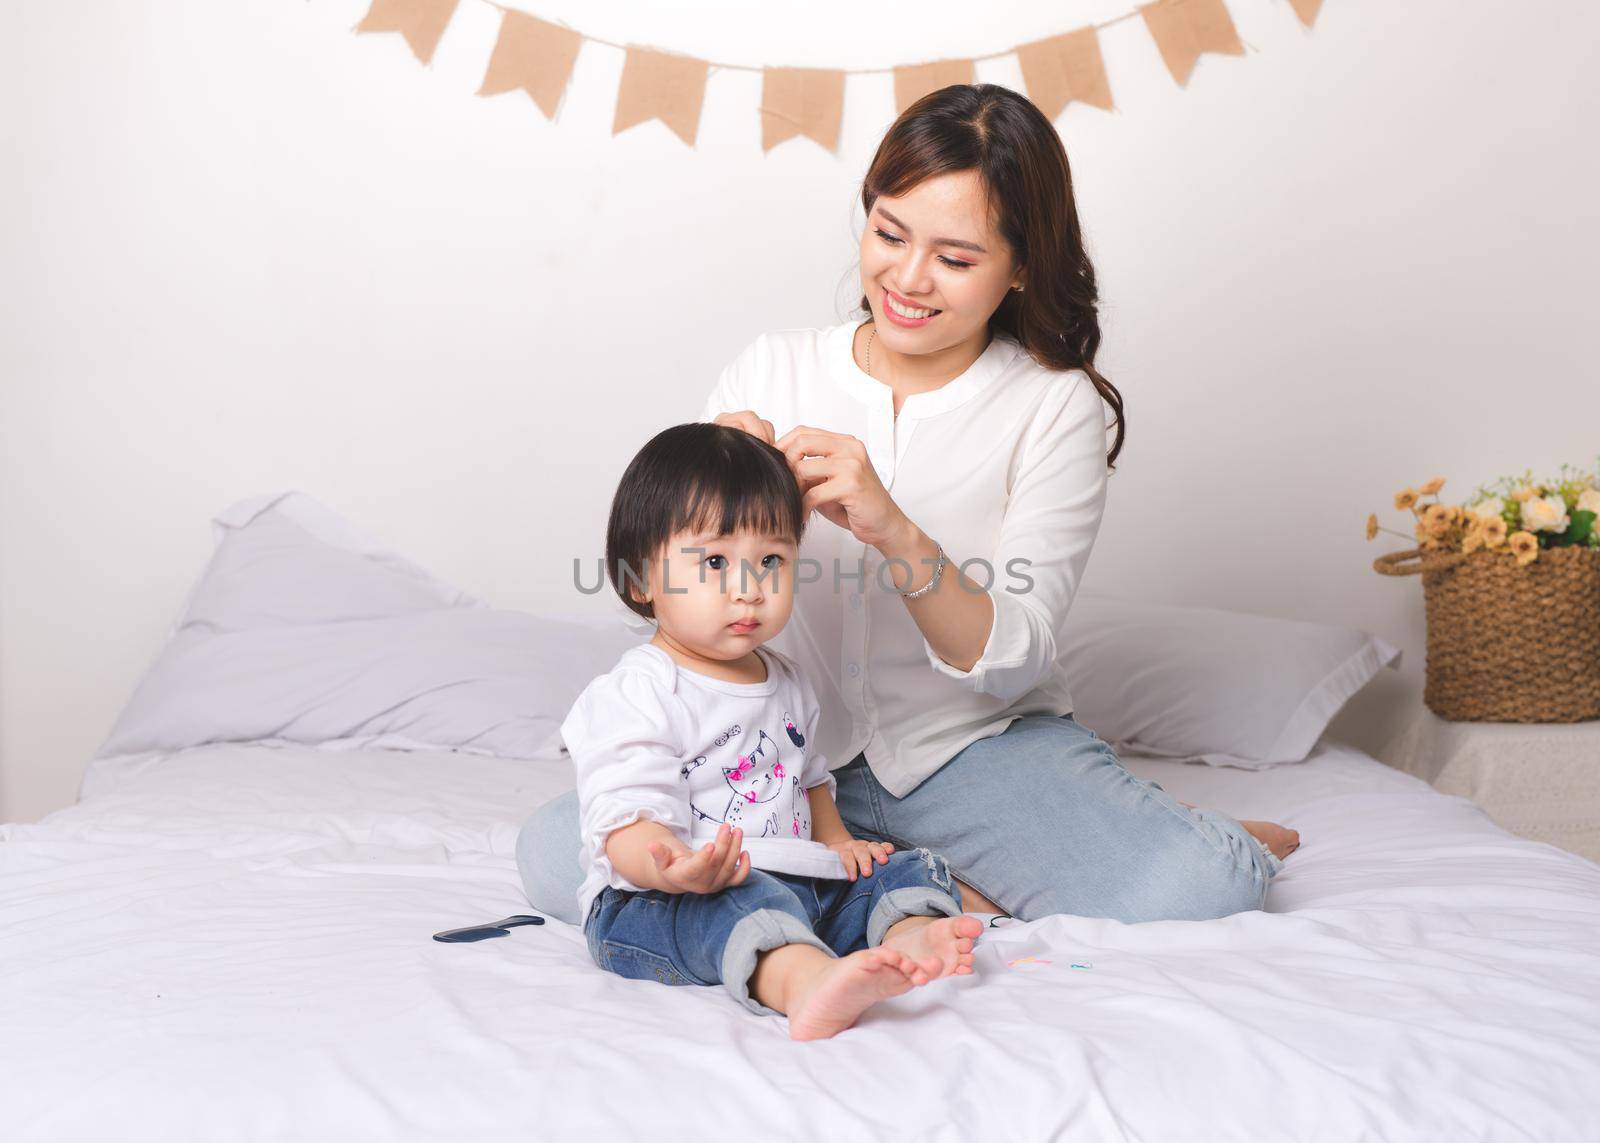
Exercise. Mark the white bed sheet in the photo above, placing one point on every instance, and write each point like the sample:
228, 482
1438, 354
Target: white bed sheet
233, 943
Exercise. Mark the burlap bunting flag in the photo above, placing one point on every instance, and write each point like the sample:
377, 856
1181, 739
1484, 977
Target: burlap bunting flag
421, 22
801, 101
1058, 70
532, 56
1185, 29
913, 82
1306, 10
659, 85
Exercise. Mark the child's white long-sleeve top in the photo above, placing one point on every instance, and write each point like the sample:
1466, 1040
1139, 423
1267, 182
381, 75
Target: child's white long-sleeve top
651, 740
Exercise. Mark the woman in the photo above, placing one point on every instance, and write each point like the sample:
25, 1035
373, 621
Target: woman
929, 619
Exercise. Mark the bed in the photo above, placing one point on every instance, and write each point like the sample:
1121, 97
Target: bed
231, 940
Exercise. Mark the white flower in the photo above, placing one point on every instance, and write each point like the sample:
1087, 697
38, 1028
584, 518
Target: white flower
1589, 500
1493, 506
1545, 514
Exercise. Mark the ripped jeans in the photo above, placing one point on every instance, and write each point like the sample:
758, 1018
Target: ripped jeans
714, 938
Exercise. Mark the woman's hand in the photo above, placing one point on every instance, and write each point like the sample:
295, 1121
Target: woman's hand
859, 855
709, 869
747, 420
839, 481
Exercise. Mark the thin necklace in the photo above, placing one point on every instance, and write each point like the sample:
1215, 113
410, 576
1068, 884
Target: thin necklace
895, 413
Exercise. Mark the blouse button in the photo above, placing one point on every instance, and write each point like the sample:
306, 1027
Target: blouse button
855, 603
853, 670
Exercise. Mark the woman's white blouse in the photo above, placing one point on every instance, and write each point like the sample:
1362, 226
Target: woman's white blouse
1005, 465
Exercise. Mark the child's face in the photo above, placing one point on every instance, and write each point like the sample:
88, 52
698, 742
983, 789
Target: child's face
707, 588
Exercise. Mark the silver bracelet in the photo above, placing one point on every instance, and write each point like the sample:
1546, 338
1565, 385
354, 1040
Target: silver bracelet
938, 569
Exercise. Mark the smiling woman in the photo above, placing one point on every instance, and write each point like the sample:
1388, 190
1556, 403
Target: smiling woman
934, 632
972, 230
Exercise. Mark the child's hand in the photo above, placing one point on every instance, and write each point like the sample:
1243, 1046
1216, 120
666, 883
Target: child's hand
709, 869
857, 854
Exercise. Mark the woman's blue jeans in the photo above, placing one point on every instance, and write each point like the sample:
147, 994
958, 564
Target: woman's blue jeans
1041, 819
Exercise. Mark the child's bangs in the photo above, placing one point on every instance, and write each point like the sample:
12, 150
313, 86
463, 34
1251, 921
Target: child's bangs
757, 499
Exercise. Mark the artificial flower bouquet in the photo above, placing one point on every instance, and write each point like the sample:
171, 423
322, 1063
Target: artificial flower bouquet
1511, 587
1515, 513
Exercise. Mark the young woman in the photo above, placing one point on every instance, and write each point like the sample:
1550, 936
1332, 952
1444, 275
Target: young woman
954, 443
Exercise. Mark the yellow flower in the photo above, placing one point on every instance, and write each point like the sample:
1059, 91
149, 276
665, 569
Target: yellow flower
1432, 486
1472, 541
1494, 531
1405, 499
1437, 519
1372, 525
1522, 494
1422, 533
1524, 546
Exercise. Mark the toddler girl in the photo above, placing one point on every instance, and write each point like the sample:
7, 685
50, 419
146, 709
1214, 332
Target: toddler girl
712, 850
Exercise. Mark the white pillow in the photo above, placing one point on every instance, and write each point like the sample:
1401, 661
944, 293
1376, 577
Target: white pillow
301, 630
1198, 683
287, 560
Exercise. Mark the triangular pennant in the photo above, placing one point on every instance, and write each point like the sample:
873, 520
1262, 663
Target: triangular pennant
1059, 70
421, 22
911, 83
532, 56
1306, 10
1184, 29
657, 85
801, 101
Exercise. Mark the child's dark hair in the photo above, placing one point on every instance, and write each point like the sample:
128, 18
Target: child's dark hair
696, 477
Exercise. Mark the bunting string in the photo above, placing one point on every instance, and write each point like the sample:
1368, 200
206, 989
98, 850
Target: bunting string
537, 57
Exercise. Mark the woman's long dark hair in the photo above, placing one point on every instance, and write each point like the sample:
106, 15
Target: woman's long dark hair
1023, 166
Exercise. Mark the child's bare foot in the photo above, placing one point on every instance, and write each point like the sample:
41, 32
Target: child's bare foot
945, 939
839, 993
1281, 840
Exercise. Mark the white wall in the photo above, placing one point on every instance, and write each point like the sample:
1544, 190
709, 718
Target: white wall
246, 250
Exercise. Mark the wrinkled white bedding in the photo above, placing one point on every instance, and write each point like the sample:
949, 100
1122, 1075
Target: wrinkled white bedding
232, 942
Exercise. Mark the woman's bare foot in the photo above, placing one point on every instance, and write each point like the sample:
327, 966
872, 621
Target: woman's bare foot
945, 939
974, 902
833, 998
1281, 840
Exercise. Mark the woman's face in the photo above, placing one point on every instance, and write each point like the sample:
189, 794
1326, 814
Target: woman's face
935, 248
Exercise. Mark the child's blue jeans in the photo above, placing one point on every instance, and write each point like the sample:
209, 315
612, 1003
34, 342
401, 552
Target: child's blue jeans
714, 938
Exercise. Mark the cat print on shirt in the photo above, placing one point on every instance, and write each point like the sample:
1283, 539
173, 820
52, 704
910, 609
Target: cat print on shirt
800, 808
756, 780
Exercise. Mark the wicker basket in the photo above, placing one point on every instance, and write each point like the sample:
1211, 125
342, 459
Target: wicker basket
1509, 642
